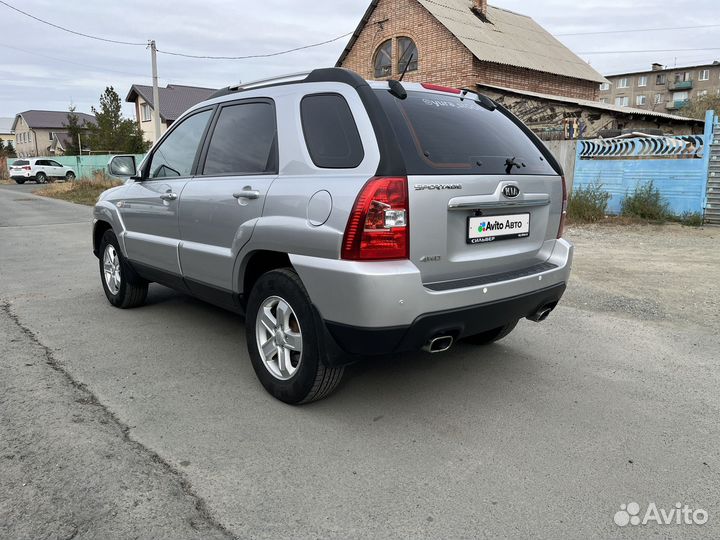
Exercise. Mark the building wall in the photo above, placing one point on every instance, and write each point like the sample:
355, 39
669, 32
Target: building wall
665, 90
31, 142
148, 126
442, 59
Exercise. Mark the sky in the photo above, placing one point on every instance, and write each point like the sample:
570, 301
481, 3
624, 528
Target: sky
45, 68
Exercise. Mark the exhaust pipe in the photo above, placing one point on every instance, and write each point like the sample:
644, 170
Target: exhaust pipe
438, 344
541, 314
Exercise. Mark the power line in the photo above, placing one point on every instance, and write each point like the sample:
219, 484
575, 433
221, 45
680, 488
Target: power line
649, 51
67, 29
267, 55
185, 55
96, 68
638, 30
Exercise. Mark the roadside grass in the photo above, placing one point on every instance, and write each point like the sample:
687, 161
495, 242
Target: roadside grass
587, 204
646, 202
78, 191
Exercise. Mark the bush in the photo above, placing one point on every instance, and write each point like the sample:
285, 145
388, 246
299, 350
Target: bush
646, 202
587, 204
691, 219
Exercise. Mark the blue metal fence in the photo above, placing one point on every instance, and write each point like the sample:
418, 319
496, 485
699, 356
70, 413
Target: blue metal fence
677, 166
87, 166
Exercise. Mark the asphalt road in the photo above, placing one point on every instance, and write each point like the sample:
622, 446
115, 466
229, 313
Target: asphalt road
544, 434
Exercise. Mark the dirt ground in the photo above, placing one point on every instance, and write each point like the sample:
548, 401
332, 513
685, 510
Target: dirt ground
656, 272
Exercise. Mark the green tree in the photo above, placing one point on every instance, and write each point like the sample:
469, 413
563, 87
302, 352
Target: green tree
75, 130
112, 132
697, 106
2, 147
9, 149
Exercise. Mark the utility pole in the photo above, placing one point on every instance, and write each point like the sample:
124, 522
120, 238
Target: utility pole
79, 145
156, 91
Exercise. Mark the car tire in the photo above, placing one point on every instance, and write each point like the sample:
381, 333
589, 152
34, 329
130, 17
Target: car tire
490, 336
19, 181
123, 287
284, 341
70, 176
41, 178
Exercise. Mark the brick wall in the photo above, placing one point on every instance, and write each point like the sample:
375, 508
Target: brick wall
442, 59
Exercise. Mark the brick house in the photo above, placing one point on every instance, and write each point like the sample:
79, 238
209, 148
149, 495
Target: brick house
505, 55
462, 43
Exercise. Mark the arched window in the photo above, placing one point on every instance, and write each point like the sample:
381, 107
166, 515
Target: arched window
383, 59
407, 55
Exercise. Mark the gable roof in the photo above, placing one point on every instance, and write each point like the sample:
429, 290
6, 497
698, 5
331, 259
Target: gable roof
507, 38
175, 99
50, 119
607, 107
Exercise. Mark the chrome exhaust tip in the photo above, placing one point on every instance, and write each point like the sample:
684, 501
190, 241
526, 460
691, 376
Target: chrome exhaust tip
541, 314
438, 344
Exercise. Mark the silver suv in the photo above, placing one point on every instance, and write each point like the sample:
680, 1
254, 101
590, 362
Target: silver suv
344, 218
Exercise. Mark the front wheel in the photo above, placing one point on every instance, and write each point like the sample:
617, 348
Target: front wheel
490, 336
284, 341
70, 176
123, 288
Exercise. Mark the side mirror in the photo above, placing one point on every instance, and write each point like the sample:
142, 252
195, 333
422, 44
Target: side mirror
123, 166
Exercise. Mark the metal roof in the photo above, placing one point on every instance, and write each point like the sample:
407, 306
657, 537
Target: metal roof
50, 119
175, 99
506, 38
593, 104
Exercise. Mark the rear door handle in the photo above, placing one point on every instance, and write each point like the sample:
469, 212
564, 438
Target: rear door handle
168, 196
247, 193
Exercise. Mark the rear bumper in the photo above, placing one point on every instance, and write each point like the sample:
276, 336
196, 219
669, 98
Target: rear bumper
381, 307
458, 323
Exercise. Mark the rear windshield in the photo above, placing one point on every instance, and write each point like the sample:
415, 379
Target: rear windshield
20, 162
441, 134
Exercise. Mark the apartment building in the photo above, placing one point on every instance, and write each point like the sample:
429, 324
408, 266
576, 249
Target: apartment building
661, 88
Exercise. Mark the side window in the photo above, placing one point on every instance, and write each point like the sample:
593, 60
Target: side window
331, 135
243, 141
55, 164
176, 154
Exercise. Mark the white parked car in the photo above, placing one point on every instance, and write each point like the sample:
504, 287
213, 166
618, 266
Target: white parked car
40, 170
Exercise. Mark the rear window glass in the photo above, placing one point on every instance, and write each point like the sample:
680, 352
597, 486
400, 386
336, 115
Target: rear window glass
441, 134
20, 162
330, 132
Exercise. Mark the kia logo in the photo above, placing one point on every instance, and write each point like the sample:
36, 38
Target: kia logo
511, 191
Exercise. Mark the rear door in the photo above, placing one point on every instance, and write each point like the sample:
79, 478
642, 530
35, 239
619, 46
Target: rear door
483, 198
55, 169
218, 207
150, 207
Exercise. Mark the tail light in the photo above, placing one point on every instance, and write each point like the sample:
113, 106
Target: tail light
27, 168
378, 224
561, 228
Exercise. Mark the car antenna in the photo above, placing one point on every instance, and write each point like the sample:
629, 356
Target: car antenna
406, 67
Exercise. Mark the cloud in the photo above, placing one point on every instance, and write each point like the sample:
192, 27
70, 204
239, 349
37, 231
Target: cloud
54, 68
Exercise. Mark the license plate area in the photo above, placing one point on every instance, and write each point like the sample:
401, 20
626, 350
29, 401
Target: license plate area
484, 229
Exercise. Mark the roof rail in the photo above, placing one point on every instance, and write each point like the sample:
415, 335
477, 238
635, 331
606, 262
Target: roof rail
291, 77
317, 75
